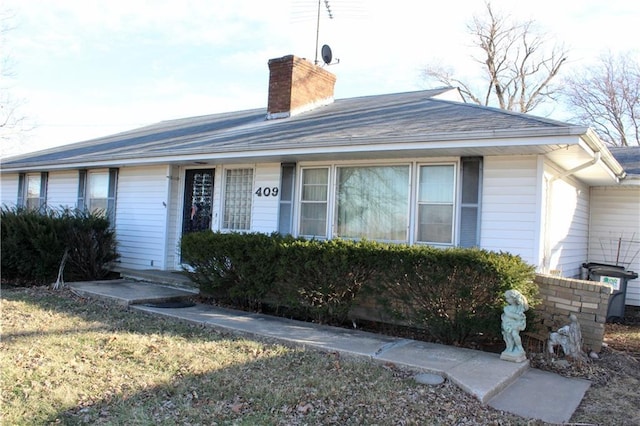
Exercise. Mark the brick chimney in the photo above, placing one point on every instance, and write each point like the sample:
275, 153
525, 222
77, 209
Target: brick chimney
296, 85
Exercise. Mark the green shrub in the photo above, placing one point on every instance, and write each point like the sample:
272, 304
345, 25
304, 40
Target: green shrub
231, 267
321, 279
92, 246
451, 293
34, 243
31, 245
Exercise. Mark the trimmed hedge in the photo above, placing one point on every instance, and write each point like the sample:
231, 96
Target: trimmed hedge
321, 279
450, 293
237, 269
34, 243
454, 293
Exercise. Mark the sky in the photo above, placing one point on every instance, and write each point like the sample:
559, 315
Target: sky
81, 69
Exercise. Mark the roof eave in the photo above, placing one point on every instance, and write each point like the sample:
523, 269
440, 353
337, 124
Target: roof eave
441, 140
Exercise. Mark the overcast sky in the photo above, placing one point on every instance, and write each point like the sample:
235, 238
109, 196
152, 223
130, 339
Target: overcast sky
82, 69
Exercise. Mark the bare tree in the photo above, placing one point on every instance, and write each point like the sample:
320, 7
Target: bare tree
606, 96
12, 123
517, 66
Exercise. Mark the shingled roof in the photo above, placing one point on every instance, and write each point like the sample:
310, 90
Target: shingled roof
379, 119
628, 157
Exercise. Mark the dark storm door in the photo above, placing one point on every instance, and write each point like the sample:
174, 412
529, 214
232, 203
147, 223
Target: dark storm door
198, 200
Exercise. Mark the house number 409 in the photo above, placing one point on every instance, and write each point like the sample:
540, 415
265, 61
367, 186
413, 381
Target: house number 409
267, 192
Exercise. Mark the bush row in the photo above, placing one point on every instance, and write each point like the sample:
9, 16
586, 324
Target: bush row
34, 243
450, 293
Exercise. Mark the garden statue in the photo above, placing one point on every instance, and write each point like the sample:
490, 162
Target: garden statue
513, 322
569, 338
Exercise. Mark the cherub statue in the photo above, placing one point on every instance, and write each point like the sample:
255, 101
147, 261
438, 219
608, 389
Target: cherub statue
513, 322
569, 338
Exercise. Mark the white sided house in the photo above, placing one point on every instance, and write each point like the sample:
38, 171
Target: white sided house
414, 168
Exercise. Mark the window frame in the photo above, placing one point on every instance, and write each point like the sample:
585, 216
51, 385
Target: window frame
301, 201
454, 203
225, 199
463, 175
23, 190
103, 197
286, 206
84, 177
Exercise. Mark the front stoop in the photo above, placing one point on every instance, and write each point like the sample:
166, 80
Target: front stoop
176, 279
129, 292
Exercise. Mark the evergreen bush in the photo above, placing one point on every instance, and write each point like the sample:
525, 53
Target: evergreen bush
231, 267
321, 279
452, 294
34, 243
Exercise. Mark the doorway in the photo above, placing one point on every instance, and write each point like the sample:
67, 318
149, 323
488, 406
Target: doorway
198, 200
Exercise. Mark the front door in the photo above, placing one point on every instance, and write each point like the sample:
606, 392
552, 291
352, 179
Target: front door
198, 200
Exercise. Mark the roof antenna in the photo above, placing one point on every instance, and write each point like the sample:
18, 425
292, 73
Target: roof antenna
326, 4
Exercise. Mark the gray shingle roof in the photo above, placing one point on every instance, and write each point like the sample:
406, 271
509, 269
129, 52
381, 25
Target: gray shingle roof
628, 157
391, 117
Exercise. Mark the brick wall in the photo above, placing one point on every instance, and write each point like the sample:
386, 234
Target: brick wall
588, 300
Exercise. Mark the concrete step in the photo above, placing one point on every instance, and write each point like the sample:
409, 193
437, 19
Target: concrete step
177, 279
128, 292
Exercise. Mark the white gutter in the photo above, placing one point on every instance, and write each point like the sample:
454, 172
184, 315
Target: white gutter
592, 140
592, 162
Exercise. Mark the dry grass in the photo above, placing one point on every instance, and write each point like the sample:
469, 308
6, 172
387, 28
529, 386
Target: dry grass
614, 397
66, 360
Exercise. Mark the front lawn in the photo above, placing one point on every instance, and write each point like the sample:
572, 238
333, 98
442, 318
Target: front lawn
68, 360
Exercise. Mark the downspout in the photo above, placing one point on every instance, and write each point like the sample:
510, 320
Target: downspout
548, 185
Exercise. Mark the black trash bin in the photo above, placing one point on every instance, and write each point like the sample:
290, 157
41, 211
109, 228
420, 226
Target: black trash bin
617, 277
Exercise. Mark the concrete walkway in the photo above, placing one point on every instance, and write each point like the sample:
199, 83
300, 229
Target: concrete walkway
507, 386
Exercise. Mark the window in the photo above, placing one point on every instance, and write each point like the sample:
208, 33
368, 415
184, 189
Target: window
436, 189
373, 202
237, 203
430, 203
97, 192
32, 190
313, 203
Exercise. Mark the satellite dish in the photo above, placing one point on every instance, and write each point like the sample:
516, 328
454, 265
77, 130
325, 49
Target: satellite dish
327, 56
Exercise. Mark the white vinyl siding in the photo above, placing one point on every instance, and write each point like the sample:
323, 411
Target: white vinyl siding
141, 217
614, 234
510, 208
62, 190
266, 201
9, 190
567, 230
